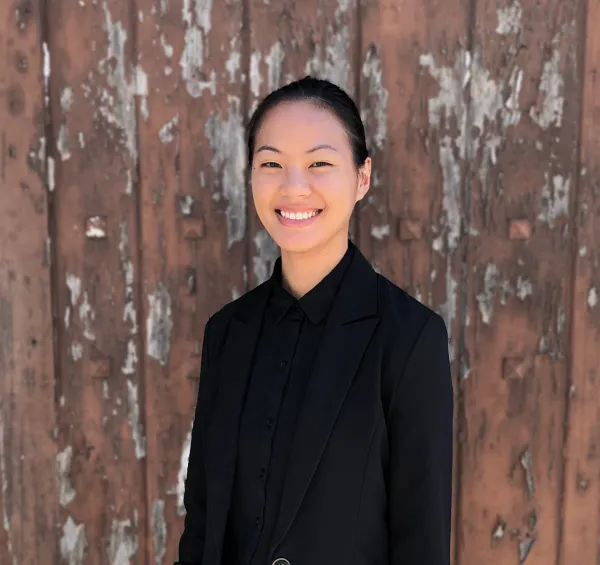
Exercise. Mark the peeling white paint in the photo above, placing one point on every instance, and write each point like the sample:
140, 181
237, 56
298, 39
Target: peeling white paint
524, 288
266, 254
375, 112
46, 73
226, 138
331, 59
87, 316
551, 90
168, 132
555, 199
73, 542
134, 420
380, 232
66, 492
274, 61
62, 142
94, 231
131, 359
182, 473
592, 298
81, 140
129, 310
185, 205
485, 299
123, 543
198, 25
452, 219
66, 99
159, 531
450, 100
159, 324
76, 351
232, 65
119, 110
509, 19
50, 176
74, 285
167, 48
255, 76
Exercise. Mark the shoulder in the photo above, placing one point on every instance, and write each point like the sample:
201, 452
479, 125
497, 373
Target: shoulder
403, 313
409, 326
218, 324
415, 346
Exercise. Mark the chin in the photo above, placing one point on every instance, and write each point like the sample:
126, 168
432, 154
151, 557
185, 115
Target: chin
297, 242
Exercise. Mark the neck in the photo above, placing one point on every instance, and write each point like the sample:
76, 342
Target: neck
303, 271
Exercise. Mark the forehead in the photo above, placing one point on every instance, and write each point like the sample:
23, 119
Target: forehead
301, 125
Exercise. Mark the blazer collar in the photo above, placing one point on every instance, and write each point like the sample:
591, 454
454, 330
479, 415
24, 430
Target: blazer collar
348, 329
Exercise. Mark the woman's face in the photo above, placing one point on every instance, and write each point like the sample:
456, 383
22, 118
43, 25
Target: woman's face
304, 181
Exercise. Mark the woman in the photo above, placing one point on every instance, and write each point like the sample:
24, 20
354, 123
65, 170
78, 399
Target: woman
323, 428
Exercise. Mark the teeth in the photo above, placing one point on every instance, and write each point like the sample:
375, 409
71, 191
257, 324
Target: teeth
298, 215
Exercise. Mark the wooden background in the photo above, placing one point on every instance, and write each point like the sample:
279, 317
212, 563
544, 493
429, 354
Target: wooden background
125, 220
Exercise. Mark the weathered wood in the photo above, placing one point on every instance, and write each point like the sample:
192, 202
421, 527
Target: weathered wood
413, 101
582, 460
93, 86
193, 212
28, 497
289, 40
522, 120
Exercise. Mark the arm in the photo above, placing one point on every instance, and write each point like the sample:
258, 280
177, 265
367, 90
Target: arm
420, 436
191, 543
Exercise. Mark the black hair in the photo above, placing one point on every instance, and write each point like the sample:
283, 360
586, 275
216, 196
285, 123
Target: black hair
323, 94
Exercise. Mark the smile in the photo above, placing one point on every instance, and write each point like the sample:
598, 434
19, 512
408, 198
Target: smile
298, 216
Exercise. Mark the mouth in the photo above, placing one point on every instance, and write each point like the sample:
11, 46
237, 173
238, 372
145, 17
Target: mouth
299, 216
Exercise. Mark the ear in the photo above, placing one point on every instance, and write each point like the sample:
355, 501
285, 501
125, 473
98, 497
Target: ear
364, 179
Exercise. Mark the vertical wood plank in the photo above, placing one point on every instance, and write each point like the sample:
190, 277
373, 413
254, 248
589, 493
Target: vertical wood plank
522, 122
414, 69
93, 84
193, 211
28, 494
289, 40
581, 522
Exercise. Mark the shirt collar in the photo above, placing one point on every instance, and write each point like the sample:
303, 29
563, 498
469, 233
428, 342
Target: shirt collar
316, 302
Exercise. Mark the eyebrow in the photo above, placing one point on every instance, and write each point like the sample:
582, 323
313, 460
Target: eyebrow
316, 148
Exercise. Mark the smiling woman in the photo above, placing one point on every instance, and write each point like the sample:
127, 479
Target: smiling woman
309, 167
323, 427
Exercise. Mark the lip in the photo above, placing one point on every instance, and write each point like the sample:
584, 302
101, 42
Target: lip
297, 223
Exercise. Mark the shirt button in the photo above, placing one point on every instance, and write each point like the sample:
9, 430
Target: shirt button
282, 365
257, 521
262, 473
270, 423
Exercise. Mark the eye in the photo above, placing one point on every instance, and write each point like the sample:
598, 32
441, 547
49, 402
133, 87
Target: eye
321, 164
270, 165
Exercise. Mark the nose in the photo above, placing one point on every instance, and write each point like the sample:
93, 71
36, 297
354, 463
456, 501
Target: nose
295, 182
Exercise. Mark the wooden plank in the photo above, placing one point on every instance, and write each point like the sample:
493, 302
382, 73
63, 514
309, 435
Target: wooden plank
28, 497
582, 468
193, 211
93, 85
523, 118
289, 40
413, 101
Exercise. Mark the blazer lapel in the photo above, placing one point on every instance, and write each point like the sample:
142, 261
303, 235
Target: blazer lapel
348, 330
222, 435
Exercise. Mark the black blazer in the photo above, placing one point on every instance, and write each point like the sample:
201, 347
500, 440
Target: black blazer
370, 474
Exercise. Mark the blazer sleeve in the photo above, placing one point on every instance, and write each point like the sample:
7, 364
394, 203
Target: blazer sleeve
420, 440
191, 543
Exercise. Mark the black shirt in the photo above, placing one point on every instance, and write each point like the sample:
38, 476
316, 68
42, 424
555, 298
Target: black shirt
283, 360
